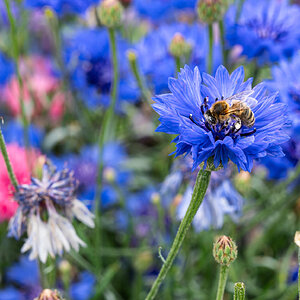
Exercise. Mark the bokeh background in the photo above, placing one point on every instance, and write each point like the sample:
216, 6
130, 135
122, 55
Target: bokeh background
63, 58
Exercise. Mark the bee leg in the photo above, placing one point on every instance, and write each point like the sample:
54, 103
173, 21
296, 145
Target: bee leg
202, 109
205, 101
217, 99
192, 119
248, 133
222, 98
207, 126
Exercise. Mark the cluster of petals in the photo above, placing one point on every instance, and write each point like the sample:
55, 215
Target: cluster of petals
45, 212
181, 113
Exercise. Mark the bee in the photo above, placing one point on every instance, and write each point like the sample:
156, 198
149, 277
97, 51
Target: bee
235, 108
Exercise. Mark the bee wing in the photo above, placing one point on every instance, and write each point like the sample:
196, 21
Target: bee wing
243, 97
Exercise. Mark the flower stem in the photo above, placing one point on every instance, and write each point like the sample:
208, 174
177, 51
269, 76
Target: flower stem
223, 43
138, 77
222, 281
210, 52
10, 171
108, 116
239, 10
43, 277
178, 64
299, 272
16, 57
200, 188
104, 133
239, 291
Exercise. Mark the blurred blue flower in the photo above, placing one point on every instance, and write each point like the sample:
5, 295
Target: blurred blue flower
182, 112
267, 30
221, 198
13, 132
84, 288
88, 59
18, 273
6, 69
11, 293
153, 50
158, 10
25, 275
85, 168
62, 7
286, 79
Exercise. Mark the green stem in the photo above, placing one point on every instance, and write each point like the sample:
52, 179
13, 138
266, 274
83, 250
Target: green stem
200, 188
140, 81
104, 133
222, 282
255, 72
210, 52
16, 57
223, 43
299, 272
108, 117
178, 64
239, 291
43, 276
10, 171
239, 10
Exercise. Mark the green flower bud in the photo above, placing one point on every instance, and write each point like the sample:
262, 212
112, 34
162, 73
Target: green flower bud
110, 13
49, 295
143, 261
178, 46
225, 250
210, 11
155, 198
239, 291
131, 55
109, 174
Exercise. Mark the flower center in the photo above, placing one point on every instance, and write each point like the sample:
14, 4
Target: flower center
267, 30
218, 119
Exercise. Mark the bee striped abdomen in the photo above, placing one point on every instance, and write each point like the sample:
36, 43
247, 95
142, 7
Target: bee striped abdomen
247, 117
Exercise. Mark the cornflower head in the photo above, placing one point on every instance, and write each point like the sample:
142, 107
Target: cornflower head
46, 208
156, 49
285, 79
267, 30
88, 60
194, 110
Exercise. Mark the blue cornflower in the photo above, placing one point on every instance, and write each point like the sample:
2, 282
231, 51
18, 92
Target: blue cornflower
11, 293
62, 7
286, 79
267, 30
84, 288
14, 133
46, 208
18, 273
6, 69
153, 50
88, 58
221, 198
184, 112
158, 10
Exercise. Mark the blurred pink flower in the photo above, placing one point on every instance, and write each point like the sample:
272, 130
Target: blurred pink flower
57, 106
19, 161
40, 91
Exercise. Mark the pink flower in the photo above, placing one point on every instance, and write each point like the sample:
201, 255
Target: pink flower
57, 107
19, 161
40, 89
